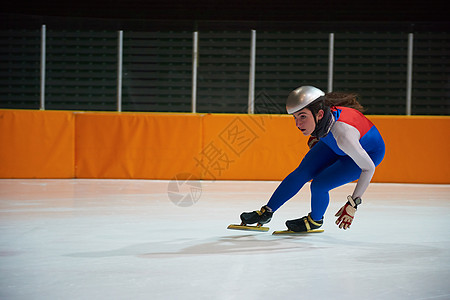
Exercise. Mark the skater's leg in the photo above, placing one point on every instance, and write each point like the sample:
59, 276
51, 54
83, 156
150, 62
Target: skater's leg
316, 160
343, 171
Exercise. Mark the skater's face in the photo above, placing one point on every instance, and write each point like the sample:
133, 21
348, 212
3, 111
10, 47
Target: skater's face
304, 120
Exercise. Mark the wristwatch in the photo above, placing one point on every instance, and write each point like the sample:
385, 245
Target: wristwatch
357, 201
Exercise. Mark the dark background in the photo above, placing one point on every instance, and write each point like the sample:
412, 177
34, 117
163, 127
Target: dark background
256, 10
292, 48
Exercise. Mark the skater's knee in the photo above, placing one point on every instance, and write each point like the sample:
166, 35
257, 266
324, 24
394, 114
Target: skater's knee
319, 186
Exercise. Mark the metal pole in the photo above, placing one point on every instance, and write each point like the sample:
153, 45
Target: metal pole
330, 63
43, 52
251, 86
119, 70
409, 74
194, 71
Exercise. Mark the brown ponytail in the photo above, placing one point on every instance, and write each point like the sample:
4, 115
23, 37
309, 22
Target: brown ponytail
343, 99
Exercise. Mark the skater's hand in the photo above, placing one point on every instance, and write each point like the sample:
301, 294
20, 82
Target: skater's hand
346, 214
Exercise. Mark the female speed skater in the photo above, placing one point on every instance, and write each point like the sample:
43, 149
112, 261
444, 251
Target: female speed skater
344, 146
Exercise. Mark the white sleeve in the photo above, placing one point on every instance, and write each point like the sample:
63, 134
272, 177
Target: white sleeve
347, 139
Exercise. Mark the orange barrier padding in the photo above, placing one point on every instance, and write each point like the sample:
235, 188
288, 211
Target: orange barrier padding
50, 144
417, 149
258, 147
36, 144
269, 147
136, 145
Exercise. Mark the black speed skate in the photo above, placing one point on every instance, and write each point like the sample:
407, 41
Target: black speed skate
305, 224
260, 217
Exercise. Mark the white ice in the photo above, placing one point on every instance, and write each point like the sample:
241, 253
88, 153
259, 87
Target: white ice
137, 239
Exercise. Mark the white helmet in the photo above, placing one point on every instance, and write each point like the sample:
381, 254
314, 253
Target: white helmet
302, 97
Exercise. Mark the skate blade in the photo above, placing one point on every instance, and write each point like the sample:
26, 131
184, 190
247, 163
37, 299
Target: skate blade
290, 232
247, 227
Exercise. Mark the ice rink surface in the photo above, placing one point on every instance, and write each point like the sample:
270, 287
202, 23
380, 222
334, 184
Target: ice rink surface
143, 239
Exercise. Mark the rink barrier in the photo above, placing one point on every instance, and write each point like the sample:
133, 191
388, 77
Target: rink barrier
37, 144
67, 144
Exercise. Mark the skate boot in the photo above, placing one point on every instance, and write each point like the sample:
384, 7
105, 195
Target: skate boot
260, 217
305, 224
